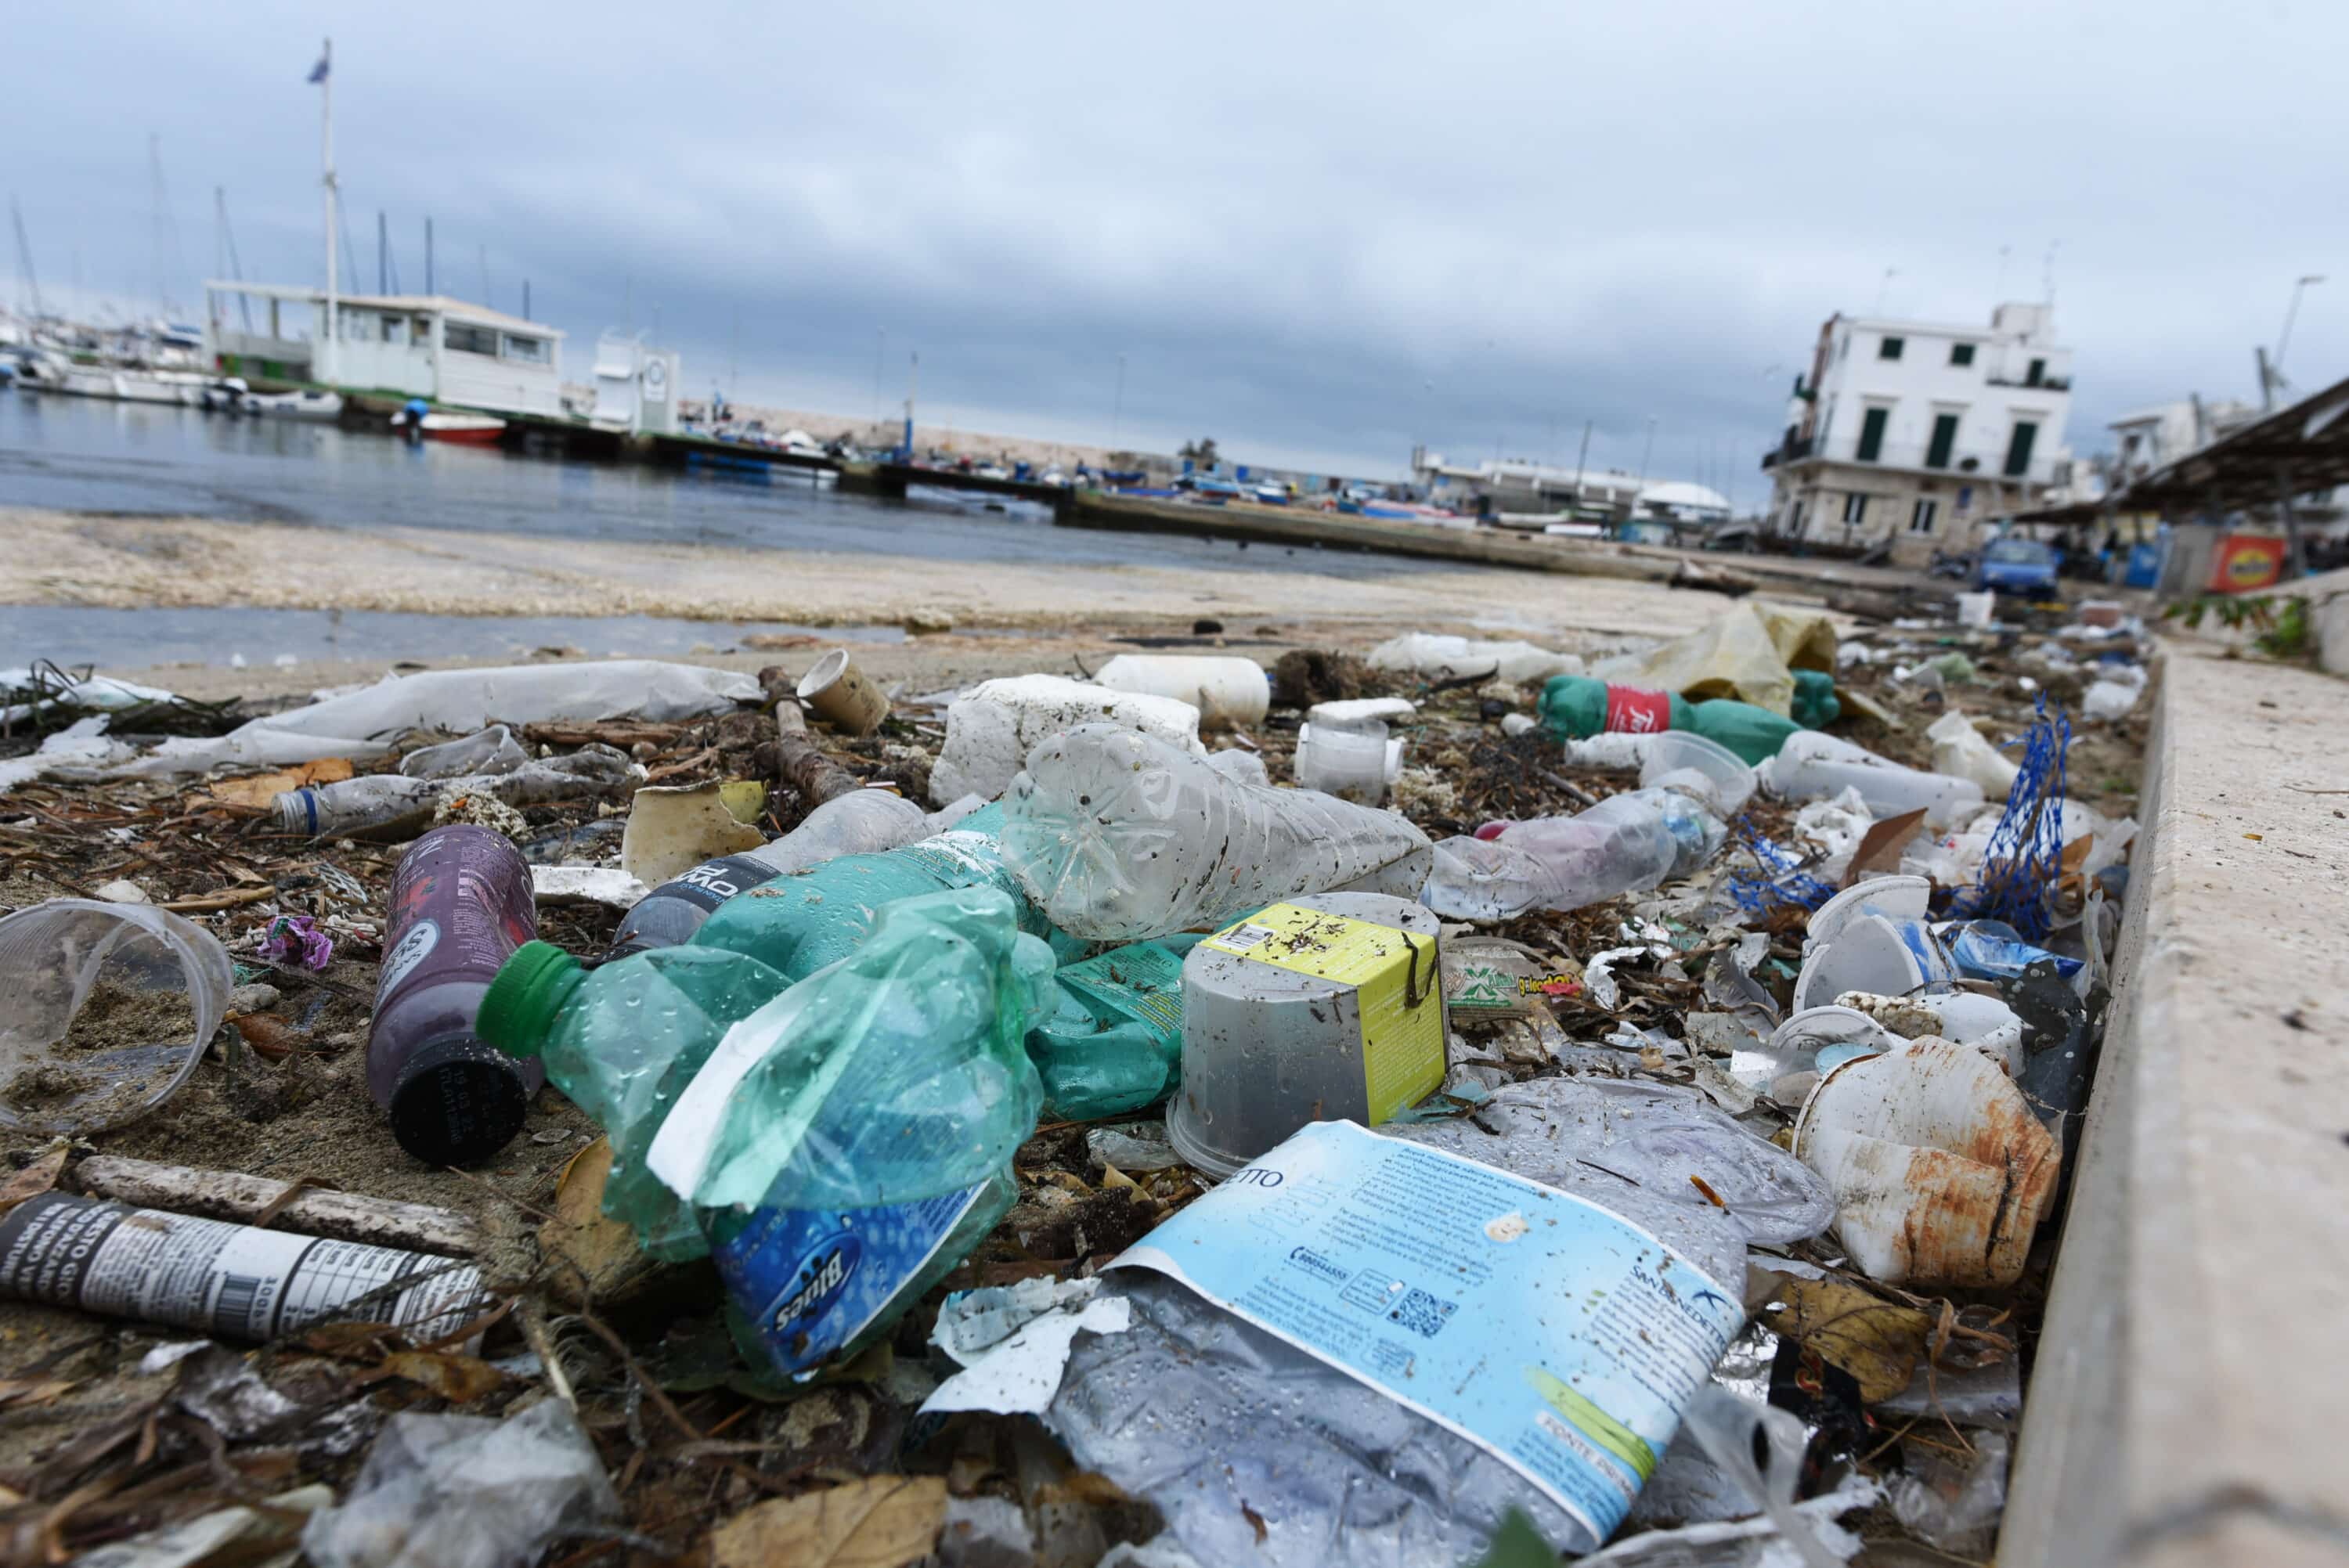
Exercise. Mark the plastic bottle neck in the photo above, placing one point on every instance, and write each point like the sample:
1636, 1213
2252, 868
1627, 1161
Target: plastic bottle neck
518, 1011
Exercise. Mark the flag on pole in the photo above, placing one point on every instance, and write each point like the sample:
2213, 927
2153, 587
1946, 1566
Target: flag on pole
318, 71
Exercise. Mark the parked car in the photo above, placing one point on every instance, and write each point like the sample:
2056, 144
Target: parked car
2019, 566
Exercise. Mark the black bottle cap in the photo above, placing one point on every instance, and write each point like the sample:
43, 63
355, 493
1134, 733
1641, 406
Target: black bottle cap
459, 1100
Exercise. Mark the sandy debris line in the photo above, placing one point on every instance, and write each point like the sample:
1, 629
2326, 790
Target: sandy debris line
59, 558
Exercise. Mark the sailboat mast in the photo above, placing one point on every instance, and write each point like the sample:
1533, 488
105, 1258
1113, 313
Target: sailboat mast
325, 370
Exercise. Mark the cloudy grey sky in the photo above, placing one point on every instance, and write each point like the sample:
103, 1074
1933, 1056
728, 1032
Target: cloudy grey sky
1317, 233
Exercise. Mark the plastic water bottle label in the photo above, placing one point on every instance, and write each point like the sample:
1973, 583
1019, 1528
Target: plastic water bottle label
1636, 712
812, 1279
1142, 981
1558, 1336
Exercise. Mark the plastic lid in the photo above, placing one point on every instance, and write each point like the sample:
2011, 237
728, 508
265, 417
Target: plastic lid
457, 1101
518, 1009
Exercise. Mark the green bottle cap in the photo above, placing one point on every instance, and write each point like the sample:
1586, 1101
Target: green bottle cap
518, 1010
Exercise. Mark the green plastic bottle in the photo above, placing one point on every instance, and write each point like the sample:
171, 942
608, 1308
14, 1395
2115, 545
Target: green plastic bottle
1574, 707
1115, 1043
800, 922
851, 1142
623, 1040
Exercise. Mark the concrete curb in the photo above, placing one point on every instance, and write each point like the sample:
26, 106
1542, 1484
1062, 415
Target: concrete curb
2187, 1405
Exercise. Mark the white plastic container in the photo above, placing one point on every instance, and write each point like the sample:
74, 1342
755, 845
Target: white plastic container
166, 980
992, 729
1976, 609
1228, 690
1941, 1173
1812, 765
1440, 658
1895, 898
1122, 836
1354, 762
843, 693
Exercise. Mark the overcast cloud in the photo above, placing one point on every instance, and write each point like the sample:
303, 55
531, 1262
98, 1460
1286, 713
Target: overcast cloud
1319, 233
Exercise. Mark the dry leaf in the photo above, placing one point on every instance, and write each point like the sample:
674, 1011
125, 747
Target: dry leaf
1875, 1341
460, 1380
271, 1038
262, 787
1881, 846
601, 1252
37, 1177
15, 1391
882, 1521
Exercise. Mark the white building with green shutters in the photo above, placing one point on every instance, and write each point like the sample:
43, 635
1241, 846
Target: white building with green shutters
1919, 433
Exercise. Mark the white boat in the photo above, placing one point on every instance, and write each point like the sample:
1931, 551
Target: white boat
183, 388
321, 405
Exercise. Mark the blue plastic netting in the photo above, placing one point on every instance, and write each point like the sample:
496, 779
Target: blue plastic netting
2026, 850
1778, 878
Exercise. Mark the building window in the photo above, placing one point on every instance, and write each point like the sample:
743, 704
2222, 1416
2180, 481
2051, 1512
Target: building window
2036, 375
2018, 448
1945, 438
1855, 509
468, 339
1965, 499
1794, 518
1872, 434
395, 329
529, 350
1920, 516
1890, 349
1961, 354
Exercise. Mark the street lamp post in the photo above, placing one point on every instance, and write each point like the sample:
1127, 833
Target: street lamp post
1117, 405
2291, 311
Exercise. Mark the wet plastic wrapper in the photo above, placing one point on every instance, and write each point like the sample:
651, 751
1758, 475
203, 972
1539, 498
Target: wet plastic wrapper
465, 1491
235, 1281
354, 724
1327, 1362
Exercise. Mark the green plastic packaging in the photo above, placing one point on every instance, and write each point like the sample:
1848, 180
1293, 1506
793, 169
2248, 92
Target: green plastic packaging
623, 1040
799, 923
1574, 707
1115, 1043
1816, 706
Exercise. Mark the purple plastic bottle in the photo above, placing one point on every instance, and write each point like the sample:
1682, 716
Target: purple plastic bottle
461, 904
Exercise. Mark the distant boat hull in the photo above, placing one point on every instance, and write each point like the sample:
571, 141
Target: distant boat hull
179, 388
466, 430
319, 406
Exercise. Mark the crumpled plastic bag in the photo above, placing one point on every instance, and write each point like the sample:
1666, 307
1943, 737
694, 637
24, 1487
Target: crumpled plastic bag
465, 1491
1750, 652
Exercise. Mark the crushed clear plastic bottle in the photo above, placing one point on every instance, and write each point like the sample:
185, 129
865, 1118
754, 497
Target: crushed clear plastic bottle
1626, 843
1120, 837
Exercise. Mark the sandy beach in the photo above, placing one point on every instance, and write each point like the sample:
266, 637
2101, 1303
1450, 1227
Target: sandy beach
62, 559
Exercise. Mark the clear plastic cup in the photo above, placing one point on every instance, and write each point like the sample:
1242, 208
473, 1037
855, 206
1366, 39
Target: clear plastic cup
109, 1007
1350, 761
1728, 781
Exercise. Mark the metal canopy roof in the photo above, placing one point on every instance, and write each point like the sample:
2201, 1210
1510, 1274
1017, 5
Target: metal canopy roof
2294, 450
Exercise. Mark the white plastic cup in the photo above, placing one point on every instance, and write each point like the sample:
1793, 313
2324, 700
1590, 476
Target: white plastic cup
1976, 609
1940, 1171
841, 692
53, 956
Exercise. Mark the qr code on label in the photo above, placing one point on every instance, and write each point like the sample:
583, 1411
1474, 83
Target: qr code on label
1422, 1313
1248, 936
